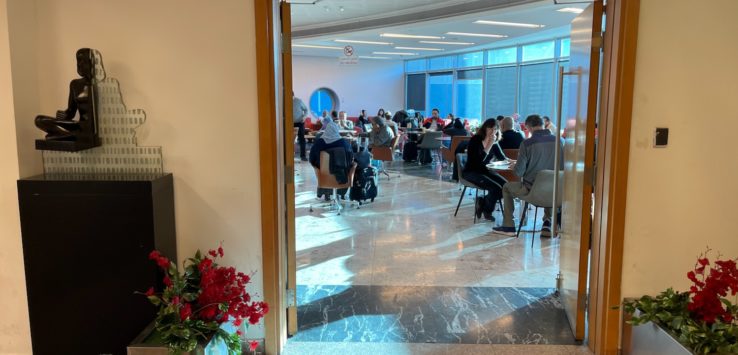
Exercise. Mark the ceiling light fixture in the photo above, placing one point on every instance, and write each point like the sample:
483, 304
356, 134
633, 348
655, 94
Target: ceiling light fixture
362, 42
573, 10
475, 34
395, 53
450, 43
373, 57
399, 35
510, 24
316, 46
420, 48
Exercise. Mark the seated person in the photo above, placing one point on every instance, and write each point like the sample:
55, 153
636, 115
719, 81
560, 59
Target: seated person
363, 121
328, 140
511, 138
536, 153
411, 122
391, 124
344, 122
434, 123
456, 129
381, 135
481, 150
547, 124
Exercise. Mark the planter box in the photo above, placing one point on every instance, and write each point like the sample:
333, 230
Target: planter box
650, 339
148, 343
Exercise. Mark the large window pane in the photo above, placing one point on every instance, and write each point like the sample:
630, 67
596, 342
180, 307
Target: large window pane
470, 60
440, 92
469, 94
538, 51
416, 92
537, 89
501, 87
502, 56
415, 65
440, 63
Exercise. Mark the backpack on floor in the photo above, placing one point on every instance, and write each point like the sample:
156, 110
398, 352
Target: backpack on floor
410, 151
365, 185
425, 157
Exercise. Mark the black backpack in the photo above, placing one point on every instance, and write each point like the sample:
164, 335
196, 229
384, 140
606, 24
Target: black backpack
365, 185
410, 151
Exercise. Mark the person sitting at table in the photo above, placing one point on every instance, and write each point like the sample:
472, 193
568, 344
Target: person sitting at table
344, 122
331, 138
547, 124
481, 150
381, 135
411, 122
456, 129
511, 138
363, 121
380, 112
434, 123
536, 153
391, 124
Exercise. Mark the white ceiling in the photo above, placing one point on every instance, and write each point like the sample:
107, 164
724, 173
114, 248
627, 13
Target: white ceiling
541, 12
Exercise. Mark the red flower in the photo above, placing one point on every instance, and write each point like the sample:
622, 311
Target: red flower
185, 312
154, 255
220, 251
238, 322
150, 291
212, 253
175, 300
167, 281
253, 345
163, 262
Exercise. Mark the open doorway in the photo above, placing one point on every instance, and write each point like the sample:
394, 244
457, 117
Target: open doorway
407, 268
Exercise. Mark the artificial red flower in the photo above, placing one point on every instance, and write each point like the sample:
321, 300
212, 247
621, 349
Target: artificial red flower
175, 300
150, 291
167, 281
212, 253
253, 345
220, 251
185, 312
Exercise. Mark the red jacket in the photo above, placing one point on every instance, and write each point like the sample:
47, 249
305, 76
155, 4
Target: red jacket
429, 121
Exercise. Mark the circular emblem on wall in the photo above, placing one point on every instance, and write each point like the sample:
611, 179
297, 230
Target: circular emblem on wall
348, 51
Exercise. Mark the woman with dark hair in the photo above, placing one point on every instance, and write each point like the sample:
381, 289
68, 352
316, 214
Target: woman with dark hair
481, 150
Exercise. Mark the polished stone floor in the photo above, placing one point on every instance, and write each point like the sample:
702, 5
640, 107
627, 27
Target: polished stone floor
402, 275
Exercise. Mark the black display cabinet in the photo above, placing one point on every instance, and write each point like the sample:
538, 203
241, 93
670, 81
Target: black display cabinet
86, 242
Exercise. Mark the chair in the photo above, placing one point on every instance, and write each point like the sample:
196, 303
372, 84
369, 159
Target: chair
460, 163
326, 180
448, 153
385, 154
511, 153
430, 142
540, 196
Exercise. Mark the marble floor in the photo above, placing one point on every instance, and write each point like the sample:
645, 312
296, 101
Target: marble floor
402, 275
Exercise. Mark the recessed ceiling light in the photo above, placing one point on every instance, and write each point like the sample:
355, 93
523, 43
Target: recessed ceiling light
510, 24
573, 10
451, 43
399, 35
316, 46
363, 42
475, 34
395, 53
420, 48
373, 57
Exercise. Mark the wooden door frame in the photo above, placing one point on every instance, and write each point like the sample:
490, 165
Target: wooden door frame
611, 175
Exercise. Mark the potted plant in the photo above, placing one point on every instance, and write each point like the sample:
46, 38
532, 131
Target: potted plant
702, 320
204, 304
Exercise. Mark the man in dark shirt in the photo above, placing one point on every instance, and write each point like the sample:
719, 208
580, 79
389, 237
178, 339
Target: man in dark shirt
511, 138
536, 153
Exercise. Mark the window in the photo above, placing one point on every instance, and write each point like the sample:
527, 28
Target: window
564, 49
502, 84
440, 92
415, 98
475, 59
440, 63
323, 99
415, 65
537, 89
469, 94
538, 51
502, 56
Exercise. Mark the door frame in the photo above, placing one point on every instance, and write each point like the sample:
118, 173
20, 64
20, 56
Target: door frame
616, 101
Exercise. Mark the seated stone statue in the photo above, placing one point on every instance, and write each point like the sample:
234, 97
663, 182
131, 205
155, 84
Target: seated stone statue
63, 132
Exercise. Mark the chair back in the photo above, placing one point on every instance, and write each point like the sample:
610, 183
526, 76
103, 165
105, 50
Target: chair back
511, 153
430, 141
327, 180
386, 153
460, 164
448, 154
541, 193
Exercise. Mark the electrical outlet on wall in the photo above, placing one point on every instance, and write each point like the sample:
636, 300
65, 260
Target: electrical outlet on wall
661, 137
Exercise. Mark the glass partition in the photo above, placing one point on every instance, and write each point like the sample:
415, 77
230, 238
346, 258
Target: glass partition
440, 92
469, 94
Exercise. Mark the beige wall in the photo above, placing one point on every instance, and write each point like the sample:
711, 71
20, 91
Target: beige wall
682, 198
15, 337
191, 66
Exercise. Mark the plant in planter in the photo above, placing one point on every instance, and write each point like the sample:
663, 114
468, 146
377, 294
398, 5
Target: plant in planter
195, 303
702, 318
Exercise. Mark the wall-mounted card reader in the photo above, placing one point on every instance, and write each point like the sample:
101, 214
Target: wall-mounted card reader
661, 137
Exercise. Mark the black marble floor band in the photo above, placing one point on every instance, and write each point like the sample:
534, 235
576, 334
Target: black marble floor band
431, 314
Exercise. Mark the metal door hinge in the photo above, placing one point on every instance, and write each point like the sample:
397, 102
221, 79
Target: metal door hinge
291, 298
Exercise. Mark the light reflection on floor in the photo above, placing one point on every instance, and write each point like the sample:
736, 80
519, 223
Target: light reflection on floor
409, 236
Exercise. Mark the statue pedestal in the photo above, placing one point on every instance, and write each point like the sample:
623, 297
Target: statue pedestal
86, 241
66, 146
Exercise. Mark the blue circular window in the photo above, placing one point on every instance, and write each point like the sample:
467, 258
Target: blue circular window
323, 99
